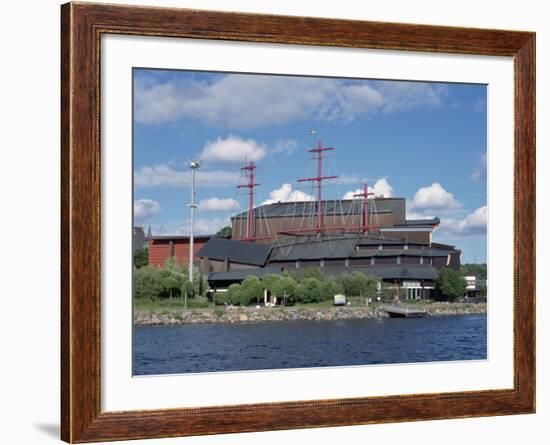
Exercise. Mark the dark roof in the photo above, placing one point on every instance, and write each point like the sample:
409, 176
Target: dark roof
138, 231
444, 246
403, 272
419, 222
239, 275
407, 271
402, 252
329, 207
375, 241
312, 247
236, 251
138, 239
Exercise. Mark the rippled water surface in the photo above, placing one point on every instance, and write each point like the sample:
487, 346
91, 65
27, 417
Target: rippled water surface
234, 347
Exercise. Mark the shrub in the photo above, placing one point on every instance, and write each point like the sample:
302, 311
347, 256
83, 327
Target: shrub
269, 281
172, 281
141, 257
200, 283
329, 289
251, 289
187, 289
285, 288
310, 272
147, 283
232, 296
308, 290
450, 284
358, 284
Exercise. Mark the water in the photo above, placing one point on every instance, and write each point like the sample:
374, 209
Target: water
304, 344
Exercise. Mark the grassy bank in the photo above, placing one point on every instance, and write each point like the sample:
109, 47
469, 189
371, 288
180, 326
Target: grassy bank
170, 304
198, 312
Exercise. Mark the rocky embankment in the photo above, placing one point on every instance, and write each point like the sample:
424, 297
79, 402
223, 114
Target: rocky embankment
258, 315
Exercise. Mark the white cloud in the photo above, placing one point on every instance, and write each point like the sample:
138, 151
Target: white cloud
473, 224
411, 214
381, 188
480, 170
285, 146
165, 175
405, 96
243, 101
145, 208
218, 205
286, 194
203, 226
233, 149
351, 194
434, 197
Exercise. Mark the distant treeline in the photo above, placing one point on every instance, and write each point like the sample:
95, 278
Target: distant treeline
479, 270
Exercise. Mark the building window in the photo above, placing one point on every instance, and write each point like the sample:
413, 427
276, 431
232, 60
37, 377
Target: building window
379, 246
398, 260
322, 263
171, 248
372, 261
347, 262
297, 264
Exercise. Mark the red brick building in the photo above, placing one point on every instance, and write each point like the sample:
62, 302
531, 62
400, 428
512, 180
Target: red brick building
163, 247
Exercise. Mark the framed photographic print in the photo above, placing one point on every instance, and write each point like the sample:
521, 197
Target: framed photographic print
277, 222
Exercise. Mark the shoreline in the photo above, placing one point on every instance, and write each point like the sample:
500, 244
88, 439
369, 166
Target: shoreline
250, 315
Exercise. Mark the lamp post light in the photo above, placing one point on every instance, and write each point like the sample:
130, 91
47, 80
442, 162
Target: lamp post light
193, 165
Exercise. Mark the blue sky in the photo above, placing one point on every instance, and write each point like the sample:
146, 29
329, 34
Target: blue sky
423, 141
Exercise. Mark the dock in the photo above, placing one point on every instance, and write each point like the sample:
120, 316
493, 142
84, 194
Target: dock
404, 312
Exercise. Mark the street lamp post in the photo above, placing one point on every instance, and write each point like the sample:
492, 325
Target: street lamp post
193, 165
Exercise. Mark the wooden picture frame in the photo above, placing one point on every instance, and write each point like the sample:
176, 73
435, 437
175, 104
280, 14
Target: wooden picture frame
82, 26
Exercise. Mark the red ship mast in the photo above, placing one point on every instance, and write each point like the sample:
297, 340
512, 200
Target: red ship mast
250, 185
365, 194
319, 179
364, 226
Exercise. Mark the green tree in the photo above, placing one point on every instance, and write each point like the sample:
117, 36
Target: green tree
387, 292
171, 263
187, 290
225, 232
184, 269
482, 290
450, 284
200, 282
285, 288
252, 289
310, 272
269, 280
352, 283
479, 270
309, 290
329, 289
141, 257
232, 296
370, 286
147, 283
172, 281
